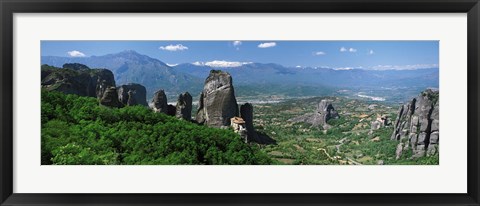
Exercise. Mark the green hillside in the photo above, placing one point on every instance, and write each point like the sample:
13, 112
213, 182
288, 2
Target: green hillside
77, 131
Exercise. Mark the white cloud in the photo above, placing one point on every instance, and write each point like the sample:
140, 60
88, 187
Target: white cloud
221, 63
298, 66
371, 52
171, 65
346, 68
404, 67
320, 53
343, 68
198, 63
177, 47
343, 49
237, 44
267, 45
76, 53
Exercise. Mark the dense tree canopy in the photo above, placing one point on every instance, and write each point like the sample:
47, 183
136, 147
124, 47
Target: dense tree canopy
76, 130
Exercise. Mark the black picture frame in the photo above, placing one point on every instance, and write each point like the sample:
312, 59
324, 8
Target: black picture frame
10, 7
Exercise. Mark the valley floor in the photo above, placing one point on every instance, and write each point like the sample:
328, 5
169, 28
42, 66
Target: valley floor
350, 140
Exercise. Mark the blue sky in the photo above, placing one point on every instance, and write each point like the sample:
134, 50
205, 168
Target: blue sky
333, 54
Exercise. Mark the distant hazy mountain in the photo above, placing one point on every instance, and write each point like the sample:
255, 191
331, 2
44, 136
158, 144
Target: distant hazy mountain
253, 73
132, 67
255, 79
267, 80
256, 73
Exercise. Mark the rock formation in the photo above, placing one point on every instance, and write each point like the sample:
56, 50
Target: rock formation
246, 113
217, 102
130, 98
171, 110
104, 79
110, 98
77, 79
132, 94
184, 106
324, 112
159, 102
75, 66
416, 126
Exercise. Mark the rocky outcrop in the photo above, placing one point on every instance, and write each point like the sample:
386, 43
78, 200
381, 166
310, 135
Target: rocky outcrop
132, 94
417, 125
75, 66
217, 102
159, 102
325, 111
77, 79
110, 98
184, 106
103, 78
171, 110
246, 113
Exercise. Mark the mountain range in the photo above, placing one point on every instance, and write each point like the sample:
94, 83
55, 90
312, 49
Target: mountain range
132, 67
250, 79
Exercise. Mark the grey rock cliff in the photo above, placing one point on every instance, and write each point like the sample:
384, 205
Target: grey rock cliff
217, 103
77, 79
171, 110
110, 98
325, 111
184, 106
159, 102
417, 125
246, 113
132, 94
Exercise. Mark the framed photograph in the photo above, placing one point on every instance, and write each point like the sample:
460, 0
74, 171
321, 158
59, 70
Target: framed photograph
240, 102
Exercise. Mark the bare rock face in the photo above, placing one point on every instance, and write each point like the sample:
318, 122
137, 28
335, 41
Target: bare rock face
131, 98
110, 98
132, 94
217, 104
416, 126
325, 111
104, 79
77, 79
184, 106
171, 110
246, 113
159, 102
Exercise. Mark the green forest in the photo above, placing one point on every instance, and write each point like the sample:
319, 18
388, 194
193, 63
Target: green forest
78, 131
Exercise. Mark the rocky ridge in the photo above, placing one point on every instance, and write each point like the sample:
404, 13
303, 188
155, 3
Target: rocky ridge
77, 79
324, 112
417, 125
217, 103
